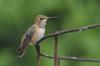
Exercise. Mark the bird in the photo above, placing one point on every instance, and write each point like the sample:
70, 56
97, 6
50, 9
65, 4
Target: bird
33, 34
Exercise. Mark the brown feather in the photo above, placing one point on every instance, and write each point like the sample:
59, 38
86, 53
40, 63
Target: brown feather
25, 41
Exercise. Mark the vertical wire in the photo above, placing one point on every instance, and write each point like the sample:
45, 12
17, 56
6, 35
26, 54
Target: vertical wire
38, 54
56, 51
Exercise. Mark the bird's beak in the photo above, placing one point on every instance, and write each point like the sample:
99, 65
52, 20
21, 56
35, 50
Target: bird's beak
53, 17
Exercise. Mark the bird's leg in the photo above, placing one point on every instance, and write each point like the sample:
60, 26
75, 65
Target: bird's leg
38, 54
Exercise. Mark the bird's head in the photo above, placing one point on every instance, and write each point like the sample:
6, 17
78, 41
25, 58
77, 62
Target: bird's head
41, 20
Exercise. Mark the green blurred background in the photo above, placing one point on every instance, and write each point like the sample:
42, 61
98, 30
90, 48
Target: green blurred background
17, 15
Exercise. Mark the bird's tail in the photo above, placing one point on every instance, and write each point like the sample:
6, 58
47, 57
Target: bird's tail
20, 52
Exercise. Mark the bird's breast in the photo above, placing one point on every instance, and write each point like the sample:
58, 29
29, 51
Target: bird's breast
38, 34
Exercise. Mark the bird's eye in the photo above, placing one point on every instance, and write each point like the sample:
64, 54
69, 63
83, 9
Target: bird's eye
41, 18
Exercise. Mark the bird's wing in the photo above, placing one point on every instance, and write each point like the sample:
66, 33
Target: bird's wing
25, 40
